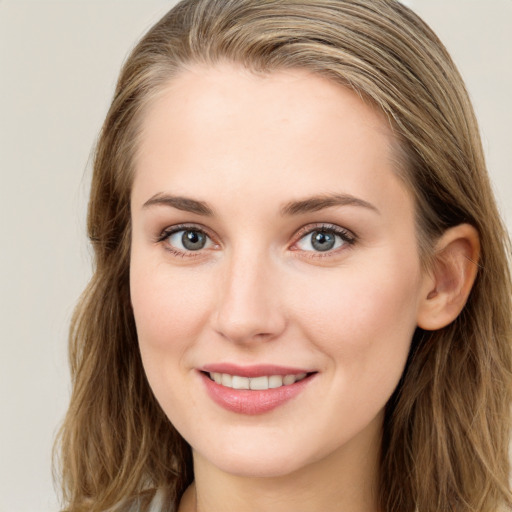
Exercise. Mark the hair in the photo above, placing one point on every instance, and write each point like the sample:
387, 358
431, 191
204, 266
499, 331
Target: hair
447, 425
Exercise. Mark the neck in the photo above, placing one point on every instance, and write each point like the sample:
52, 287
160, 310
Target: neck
346, 481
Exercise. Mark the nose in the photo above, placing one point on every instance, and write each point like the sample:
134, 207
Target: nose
248, 307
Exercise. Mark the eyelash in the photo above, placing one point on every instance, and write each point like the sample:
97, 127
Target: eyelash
176, 229
348, 239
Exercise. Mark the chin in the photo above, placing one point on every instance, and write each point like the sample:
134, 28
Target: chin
260, 462
249, 468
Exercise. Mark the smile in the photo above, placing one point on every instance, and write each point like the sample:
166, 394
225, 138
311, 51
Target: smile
255, 383
252, 390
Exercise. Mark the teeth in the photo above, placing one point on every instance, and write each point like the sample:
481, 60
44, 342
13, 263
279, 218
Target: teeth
275, 381
255, 383
226, 380
240, 382
288, 379
259, 383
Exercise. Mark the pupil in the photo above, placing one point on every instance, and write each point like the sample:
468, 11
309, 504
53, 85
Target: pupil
193, 240
323, 241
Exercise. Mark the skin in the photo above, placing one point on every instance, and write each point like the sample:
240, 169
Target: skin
259, 292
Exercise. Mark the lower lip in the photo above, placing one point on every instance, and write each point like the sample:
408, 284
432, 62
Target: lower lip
244, 401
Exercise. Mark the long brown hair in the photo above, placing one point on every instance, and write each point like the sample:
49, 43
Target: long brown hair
446, 432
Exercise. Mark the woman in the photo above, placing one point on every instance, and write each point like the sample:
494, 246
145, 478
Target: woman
301, 296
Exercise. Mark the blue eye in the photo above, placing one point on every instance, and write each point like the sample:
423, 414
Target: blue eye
324, 240
188, 240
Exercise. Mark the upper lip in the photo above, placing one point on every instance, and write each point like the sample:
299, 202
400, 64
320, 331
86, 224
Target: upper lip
258, 370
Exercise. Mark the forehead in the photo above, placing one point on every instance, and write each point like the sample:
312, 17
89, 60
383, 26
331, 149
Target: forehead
228, 95
288, 131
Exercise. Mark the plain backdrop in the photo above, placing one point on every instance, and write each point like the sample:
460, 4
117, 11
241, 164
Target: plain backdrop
58, 65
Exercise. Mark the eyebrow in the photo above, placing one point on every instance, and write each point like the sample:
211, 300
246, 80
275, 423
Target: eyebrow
308, 205
181, 203
316, 203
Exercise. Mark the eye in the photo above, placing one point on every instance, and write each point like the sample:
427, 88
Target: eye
186, 240
324, 239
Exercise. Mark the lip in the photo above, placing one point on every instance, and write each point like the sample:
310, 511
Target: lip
259, 370
251, 402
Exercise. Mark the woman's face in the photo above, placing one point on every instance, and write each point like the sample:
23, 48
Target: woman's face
272, 243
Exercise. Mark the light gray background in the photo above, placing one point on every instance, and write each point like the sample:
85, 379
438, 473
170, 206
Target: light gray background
58, 65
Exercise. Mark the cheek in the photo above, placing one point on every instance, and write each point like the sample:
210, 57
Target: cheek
170, 312
363, 315
169, 307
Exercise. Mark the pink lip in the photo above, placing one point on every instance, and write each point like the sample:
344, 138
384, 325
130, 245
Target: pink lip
244, 401
259, 370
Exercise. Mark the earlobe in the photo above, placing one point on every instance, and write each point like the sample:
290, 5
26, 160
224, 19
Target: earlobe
447, 286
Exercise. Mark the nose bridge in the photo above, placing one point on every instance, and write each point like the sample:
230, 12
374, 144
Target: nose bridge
248, 304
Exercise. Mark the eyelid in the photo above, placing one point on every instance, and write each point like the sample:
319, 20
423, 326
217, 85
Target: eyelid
169, 230
176, 228
346, 235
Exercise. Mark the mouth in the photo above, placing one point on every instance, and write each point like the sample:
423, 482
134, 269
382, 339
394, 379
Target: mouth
256, 389
260, 383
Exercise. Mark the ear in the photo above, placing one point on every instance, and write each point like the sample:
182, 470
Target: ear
447, 286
